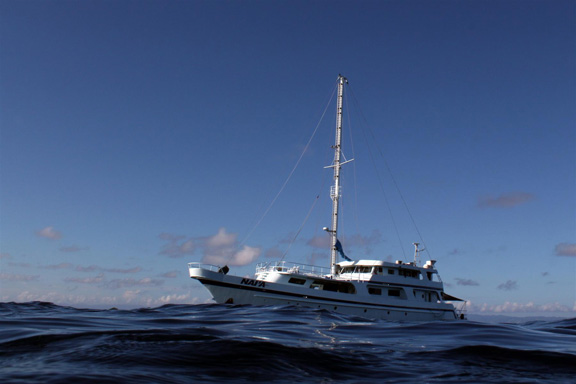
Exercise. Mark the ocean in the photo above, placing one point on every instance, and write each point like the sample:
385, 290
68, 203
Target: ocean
211, 343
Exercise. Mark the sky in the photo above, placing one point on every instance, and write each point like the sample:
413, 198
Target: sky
138, 136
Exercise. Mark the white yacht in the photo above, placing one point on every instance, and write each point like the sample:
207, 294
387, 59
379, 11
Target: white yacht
368, 288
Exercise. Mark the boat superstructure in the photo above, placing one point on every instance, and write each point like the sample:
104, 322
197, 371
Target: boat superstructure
372, 288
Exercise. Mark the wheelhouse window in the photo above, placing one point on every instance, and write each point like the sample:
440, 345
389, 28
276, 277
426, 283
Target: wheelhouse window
294, 280
409, 273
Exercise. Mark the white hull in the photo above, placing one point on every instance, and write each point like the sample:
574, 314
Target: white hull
240, 290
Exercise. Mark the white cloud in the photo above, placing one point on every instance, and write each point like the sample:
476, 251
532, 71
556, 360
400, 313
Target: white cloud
530, 307
229, 256
49, 233
223, 249
221, 239
121, 283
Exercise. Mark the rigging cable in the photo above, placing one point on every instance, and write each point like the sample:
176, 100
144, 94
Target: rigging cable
291, 173
395, 183
373, 137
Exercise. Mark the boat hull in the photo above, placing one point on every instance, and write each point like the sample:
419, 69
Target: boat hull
229, 289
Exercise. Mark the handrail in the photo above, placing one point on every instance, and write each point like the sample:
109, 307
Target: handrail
210, 267
290, 267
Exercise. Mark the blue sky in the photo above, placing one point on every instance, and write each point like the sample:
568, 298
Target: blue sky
137, 136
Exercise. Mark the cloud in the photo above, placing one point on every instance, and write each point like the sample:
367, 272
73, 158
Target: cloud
121, 283
123, 270
466, 282
58, 266
505, 200
49, 233
223, 248
171, 274
21, 265
94, 268
13, 277
91, 268
322, 241
509, 307
87, 280
510, 285
566, 249
72, 249
219, 249
177, 246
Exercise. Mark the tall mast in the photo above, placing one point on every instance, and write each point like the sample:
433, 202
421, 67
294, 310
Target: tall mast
335, 190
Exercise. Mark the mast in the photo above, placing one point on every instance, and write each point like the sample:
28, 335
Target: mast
335, 190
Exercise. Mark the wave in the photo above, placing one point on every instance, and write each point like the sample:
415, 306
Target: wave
43, 342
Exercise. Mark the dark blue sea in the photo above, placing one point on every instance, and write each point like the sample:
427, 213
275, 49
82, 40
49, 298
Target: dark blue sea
46, 343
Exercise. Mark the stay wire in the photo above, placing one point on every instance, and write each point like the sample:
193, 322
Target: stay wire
292, 172
393, 181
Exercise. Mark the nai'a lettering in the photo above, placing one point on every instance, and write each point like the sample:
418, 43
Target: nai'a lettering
254, 283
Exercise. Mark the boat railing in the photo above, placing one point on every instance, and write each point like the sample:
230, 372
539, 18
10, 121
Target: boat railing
209, 267
290, 267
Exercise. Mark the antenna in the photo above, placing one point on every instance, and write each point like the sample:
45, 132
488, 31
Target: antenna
417, 254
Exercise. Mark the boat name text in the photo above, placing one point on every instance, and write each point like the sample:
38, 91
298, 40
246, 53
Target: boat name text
254, 283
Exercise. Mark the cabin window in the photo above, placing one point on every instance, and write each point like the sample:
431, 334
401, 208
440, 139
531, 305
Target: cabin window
374, 291
333, 286
294, 280
394, 292
390, 271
